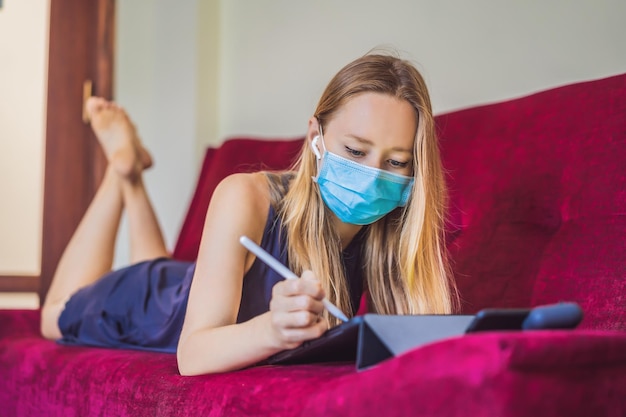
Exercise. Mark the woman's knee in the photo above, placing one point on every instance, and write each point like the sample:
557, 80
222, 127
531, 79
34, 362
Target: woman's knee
50, 320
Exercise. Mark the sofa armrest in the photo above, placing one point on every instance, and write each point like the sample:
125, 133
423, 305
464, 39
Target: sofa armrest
233, 156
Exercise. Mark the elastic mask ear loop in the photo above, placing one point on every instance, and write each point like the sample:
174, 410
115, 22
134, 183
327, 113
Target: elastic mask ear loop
314, 147
316, 150
322, 136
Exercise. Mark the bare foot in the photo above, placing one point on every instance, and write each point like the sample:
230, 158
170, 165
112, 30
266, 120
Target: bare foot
118, 138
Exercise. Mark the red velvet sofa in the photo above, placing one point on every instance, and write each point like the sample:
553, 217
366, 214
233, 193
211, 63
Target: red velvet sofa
537, 215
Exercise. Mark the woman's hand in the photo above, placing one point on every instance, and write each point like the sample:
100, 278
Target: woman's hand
296, 311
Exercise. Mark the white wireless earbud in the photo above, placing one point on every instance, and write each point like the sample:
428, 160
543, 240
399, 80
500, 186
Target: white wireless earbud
316, 151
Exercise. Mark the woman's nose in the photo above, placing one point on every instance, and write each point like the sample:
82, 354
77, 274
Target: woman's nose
375, 162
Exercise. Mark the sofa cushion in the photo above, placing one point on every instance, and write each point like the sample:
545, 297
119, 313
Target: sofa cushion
538, 200
573, 373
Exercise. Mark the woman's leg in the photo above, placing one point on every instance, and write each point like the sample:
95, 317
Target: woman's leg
89, 254
129, 158
146, 238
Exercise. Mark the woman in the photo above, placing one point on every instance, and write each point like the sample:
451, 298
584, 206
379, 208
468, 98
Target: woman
362, 209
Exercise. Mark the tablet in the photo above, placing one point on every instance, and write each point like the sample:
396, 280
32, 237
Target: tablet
551, 316
498, 319
335, 345
371, 338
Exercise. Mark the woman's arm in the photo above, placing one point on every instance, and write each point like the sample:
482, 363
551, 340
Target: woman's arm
210, 340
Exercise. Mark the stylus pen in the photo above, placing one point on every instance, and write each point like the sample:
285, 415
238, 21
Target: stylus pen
285, 272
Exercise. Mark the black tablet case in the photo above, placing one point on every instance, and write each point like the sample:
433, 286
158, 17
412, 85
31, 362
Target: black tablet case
372, 338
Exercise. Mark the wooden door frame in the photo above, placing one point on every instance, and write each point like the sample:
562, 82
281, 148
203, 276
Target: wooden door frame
81, 48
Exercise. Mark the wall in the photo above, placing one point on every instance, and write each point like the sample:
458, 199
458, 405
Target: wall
263, 64
23, 69
277, 55
164, 77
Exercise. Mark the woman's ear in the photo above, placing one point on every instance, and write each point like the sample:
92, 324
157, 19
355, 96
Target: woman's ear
314, 128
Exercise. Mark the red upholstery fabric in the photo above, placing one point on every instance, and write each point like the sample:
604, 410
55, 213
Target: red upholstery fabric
551, 373
235, 155
538, 200
538, 211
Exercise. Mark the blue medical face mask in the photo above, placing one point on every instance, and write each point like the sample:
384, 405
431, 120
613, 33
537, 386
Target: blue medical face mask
356, 193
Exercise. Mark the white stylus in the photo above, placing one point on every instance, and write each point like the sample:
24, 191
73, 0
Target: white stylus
285, 272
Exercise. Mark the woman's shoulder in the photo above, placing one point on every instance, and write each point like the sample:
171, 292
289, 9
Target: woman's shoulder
253, 182
239, 206
249, 188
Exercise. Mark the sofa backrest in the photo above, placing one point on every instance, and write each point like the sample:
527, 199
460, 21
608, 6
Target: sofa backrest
233, 156
537, 198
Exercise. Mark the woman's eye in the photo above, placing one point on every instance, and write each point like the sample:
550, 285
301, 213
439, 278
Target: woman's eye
354, 152
398, 164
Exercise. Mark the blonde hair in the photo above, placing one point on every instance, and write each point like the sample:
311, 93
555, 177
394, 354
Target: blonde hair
406, 270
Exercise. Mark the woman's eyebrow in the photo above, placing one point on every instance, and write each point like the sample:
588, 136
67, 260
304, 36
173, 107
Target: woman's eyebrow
370, 143
360, 139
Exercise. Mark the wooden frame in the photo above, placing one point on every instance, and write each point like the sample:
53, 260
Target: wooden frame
81, 49
19, 283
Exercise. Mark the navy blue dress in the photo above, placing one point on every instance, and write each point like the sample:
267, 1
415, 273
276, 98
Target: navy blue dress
143, 306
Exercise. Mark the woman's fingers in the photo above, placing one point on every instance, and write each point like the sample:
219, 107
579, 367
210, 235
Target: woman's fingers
305, 294
290, 338
297, 308
295, 319
307, 285
296, 303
